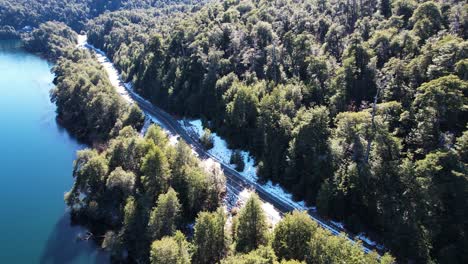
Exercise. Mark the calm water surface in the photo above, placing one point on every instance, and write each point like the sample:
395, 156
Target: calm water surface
36, 157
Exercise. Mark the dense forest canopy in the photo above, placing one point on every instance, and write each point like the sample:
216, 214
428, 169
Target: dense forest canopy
140, 195
144, 190
359, 107
87, 103
15, 15
52, 39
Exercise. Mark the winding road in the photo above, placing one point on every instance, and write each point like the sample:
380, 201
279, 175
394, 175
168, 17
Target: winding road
234, 180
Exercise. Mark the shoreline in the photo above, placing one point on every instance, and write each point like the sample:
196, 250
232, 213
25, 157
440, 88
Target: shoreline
123, 89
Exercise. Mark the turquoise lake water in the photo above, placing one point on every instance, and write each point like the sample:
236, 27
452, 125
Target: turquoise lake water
36, 157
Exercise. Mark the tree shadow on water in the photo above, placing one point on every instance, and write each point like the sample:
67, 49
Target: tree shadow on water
64, 245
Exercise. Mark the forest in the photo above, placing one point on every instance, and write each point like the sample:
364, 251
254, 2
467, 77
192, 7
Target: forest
87, 103
147, 199
357, 107
51, 39
15, 15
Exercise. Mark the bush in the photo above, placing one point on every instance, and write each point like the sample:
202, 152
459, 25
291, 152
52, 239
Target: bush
238, 160
207, 139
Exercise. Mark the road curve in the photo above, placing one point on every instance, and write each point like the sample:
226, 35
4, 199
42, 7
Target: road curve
234, 179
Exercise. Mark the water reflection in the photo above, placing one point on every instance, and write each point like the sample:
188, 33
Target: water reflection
36, 164
64, 246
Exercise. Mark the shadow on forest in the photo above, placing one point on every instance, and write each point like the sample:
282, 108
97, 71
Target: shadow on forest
64, 246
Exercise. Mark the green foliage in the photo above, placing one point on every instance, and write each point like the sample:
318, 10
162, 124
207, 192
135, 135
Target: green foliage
275, 127
294, 83
427, 20
462, 146
446, 96
358, 72
207, 139
156, 172
53, 39
241, 108
74, 13
170, 250
201, 185
291, 234
130, 220
462, 69
252, 228
165, 217
118, 188
324, 197
326, 248
127, 150
196, 190
404, 8
121, 182
113, 244
237, 160
210, 237
309, 152
135, 117
87, 103
262, 255
89, 170
442, 179
439, 105
437, 59
157, 135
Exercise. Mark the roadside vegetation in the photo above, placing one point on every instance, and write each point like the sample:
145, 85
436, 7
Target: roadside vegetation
207, 139
295, 82
87, 103
237, 160
143, 189
357, 107
146, 193
142, 196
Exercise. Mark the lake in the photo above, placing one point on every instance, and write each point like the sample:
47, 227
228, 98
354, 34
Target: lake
36, 159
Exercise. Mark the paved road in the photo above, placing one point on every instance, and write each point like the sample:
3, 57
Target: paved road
235, 181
